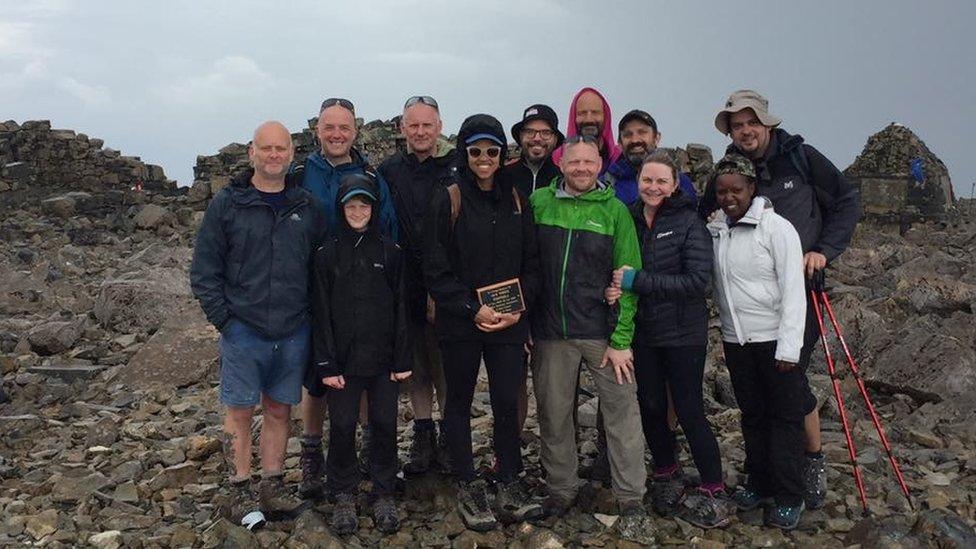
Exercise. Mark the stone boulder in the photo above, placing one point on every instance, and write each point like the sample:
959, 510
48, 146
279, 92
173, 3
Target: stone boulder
51, 338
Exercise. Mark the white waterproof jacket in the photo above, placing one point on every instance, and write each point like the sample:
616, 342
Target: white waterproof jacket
759, 286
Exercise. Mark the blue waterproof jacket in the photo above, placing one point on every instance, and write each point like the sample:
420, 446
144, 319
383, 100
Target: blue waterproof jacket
622, 177
322, 180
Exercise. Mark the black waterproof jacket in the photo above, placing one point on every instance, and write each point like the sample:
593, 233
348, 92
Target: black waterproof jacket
521, 175
412, 185
253, 263
358, 308
806, 189
490, 242
677, 256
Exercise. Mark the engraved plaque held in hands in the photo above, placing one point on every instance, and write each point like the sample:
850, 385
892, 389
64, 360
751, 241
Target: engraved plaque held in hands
503, 297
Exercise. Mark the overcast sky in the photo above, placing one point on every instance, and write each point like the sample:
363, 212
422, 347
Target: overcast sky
169, 80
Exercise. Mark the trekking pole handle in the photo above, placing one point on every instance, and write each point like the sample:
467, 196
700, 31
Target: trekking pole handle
819, 281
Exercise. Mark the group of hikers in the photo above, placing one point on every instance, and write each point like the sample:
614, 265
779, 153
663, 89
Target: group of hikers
351, 282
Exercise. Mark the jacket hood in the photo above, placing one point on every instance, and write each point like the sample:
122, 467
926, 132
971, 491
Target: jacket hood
753, 216
474, 125
363, 186
611, 150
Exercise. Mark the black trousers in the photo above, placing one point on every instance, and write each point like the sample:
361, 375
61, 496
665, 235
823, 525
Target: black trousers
506, 367
811, 338
681, 368
773, 405
341, 465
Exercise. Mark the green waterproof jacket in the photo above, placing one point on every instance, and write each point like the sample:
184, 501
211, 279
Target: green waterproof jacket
581, 240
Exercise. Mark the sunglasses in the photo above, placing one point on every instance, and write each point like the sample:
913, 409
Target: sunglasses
476, 152
338, 102
423, 100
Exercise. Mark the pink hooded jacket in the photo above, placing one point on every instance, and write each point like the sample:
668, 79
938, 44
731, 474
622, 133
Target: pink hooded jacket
611, 151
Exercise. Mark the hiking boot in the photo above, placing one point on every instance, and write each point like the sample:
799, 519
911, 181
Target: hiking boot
275, 497
747, 499
385, 515
707, 510
514, 504
472, 504
422, 453
556, 506
344, 521
631, 508
312, 461
785, 517
815, 481
239, 504
364, 448
666, 492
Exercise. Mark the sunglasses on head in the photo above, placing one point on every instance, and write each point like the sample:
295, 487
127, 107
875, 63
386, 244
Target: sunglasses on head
423, 100
338, 102
476, 152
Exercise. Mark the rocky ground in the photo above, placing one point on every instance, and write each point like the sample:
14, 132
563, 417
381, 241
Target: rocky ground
108, 431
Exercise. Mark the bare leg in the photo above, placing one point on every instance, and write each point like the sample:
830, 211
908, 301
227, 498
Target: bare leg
237, 427
313, 414
274, 434
811, 428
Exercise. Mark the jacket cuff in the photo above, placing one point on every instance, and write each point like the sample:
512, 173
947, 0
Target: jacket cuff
628, 280
326, 368
787, 353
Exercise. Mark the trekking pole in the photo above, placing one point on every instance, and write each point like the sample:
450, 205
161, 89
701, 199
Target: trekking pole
835, 381
867, 400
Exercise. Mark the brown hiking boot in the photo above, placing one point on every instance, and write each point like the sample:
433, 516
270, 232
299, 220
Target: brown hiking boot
275, 497
312, 462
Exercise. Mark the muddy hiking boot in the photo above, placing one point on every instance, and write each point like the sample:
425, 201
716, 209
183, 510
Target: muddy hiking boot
556, 506
385, 515
423, 452
514, 504
815, 480
472, 505
240, 505
707, 509
344, 521
666, 492
275, 497
312, 462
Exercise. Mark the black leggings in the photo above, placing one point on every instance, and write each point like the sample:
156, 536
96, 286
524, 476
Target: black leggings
681, 368
342, 468
506, 367
773, 404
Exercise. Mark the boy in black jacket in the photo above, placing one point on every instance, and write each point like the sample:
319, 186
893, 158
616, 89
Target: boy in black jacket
359, 344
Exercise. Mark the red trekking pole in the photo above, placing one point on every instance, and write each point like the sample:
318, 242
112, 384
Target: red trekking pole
820, 302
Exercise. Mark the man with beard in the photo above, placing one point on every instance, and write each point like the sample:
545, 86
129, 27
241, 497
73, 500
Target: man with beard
812, 194
589, 115
413, 176
537, 135
639, 137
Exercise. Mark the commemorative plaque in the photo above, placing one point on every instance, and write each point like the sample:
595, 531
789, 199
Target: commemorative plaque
503, 297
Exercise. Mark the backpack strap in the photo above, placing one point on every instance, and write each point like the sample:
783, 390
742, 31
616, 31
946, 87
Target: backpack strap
454, 193
798, 157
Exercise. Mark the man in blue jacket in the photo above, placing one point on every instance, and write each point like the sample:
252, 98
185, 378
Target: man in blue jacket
336, 132
250, 273
638, 136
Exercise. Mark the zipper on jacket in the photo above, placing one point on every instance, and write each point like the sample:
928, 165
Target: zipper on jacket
562, 282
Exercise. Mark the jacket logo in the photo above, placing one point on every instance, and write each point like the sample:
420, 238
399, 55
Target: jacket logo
788, 184
296, 217
662, 235
592, 223
378, 265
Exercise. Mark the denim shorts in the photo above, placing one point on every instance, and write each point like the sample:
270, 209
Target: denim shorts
252, 364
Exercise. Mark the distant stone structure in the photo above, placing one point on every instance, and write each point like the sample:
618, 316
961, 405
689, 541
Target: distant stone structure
33, 153
891, 188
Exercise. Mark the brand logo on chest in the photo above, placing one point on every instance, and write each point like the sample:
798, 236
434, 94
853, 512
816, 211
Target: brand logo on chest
662, 235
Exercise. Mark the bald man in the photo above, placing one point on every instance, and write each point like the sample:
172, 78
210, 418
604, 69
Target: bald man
250, 275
